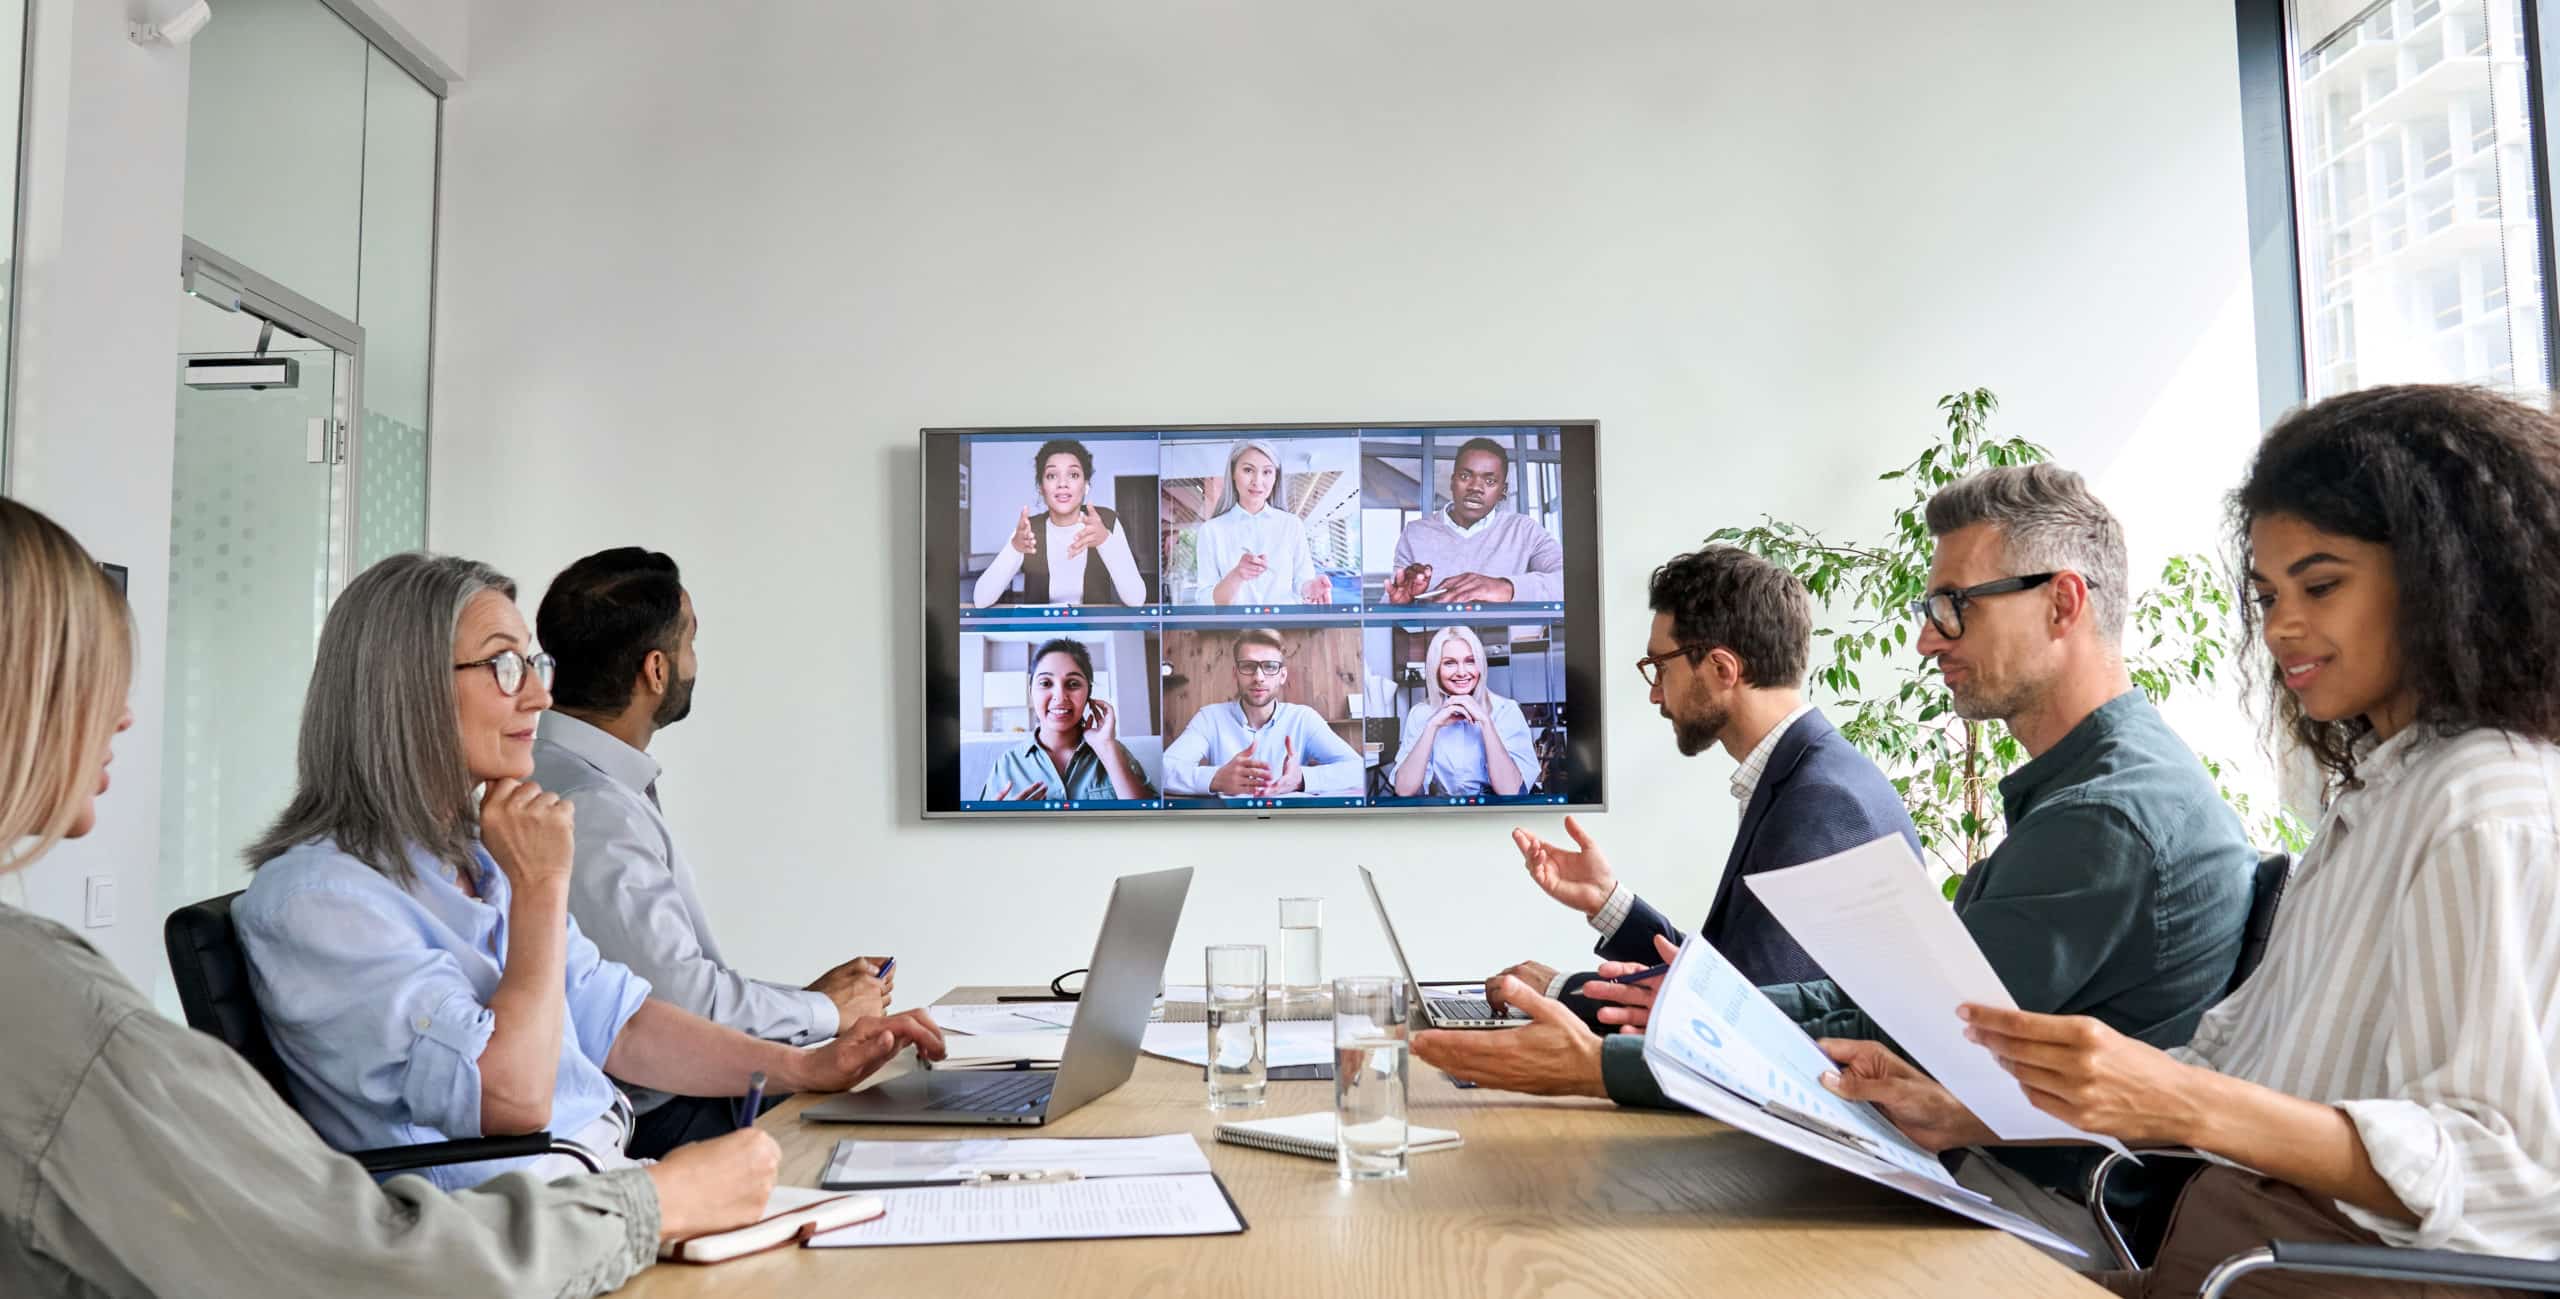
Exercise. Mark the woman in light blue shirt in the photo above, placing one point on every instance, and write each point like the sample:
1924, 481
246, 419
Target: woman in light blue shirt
1075, 750
1253, 551
413, 953
1462, 738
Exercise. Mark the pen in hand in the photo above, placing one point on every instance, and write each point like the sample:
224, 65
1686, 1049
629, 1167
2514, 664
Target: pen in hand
753, 1103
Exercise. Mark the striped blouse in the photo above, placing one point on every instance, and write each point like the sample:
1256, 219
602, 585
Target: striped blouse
2410, 981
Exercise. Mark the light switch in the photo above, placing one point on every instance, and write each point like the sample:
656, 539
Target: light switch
101, 911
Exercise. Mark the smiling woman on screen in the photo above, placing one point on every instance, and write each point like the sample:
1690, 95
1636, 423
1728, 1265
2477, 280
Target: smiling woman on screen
1075, 750
1464, 739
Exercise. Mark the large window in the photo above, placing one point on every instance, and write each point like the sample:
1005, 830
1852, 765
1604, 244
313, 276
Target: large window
2409, 158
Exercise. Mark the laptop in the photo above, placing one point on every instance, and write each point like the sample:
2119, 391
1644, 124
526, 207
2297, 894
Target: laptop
1437, 1011
1102, 1043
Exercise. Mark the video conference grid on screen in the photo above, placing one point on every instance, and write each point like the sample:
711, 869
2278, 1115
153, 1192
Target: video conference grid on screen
1262, 619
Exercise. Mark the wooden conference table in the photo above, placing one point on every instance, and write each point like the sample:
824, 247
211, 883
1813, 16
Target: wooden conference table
1567, 1197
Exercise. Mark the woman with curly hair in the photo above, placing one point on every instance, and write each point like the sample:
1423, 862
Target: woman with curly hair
2387, 1073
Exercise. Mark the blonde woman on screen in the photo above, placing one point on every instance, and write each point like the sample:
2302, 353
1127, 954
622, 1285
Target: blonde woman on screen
1463, 740
1253, 551
147, 1158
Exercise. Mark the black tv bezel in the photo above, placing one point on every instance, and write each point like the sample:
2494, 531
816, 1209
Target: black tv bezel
1583, 621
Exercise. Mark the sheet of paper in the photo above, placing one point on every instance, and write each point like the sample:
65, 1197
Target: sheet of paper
1729, 1034
975, 1020
1094, 1209
1291, 1042
1870, 918
878, 1163
1684, 1014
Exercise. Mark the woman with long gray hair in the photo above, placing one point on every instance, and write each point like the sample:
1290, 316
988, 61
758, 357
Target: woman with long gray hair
413, 952
144, 1158
1252, 550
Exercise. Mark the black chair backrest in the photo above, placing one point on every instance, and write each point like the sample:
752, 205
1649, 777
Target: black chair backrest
2266, 893
213, 984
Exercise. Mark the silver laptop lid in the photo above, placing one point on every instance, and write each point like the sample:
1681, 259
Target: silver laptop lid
1120, 986
1394, 945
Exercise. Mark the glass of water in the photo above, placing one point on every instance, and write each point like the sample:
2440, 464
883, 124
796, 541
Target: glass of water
1369, 1069
1301, 951
1239, 1053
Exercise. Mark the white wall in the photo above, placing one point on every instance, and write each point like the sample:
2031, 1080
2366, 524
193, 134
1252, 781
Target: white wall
95, 394
703, 280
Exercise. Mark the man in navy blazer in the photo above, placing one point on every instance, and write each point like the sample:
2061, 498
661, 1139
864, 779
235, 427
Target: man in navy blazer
1726, 661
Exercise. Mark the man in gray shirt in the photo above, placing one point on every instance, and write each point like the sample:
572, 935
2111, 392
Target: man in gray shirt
1474, 551
621, 626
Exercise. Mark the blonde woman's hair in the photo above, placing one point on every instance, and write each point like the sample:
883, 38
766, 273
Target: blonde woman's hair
66, 657
1432, 693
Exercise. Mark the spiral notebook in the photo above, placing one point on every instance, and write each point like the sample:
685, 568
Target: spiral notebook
1312, 1135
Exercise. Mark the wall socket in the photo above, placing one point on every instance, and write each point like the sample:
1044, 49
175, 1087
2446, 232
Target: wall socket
99, 910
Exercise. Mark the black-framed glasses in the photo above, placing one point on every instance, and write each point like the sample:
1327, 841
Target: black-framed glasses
1260, 667
1650, 666
509, 667
1945, 609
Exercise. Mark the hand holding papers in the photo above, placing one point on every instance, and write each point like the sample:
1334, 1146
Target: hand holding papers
1869, 917
1719, 1047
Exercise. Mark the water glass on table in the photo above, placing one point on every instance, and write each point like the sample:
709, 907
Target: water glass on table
1239, 1048
1371, 1059
1301, 951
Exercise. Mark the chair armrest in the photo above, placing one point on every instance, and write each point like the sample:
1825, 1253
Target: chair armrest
470, 1150
2107, 1229
2382, 1262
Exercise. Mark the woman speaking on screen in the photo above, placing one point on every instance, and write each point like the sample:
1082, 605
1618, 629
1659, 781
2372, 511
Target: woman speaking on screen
1075, 750
1463, 738
1055, 553
1253, 551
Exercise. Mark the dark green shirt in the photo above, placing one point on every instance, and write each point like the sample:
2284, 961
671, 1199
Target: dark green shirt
2119, 893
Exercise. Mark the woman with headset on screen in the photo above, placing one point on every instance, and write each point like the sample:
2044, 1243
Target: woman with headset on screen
1075, 750
1462, 738
1252, 551
1055, 553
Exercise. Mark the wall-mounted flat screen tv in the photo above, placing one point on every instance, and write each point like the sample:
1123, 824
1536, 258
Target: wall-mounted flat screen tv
1261, 619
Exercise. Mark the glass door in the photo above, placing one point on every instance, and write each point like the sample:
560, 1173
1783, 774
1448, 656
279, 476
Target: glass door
261, 521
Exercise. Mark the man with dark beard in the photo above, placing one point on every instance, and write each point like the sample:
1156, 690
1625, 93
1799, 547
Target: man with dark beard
1726, 662
621, 626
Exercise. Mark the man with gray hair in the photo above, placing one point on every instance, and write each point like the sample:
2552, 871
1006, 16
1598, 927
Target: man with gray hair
2122, 887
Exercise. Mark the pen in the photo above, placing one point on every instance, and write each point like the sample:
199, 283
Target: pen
1652, 972
885, 967
753, 1104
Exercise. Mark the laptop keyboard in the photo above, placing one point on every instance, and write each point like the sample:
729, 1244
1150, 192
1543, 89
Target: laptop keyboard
1463, 1008
1012, 1094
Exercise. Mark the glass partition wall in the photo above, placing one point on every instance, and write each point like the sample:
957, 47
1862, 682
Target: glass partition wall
308, 266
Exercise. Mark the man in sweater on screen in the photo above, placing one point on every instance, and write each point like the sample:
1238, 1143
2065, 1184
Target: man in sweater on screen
1473, 551
621, 626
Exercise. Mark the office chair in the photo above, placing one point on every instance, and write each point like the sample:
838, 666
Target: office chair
2380, 1262
212, 974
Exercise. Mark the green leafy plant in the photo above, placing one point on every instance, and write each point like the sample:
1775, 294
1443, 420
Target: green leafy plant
1947, 768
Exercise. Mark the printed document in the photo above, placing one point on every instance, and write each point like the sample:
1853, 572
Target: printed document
1871, 920
1191, 1204
912, 1163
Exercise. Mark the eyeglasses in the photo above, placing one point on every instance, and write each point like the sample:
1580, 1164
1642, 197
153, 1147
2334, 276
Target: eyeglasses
1260, 667
509, 667
1945, 609
1650, 666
